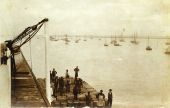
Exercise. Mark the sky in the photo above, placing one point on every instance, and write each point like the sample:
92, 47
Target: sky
87, 17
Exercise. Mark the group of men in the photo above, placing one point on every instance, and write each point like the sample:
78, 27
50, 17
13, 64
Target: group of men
58, 85
101, 98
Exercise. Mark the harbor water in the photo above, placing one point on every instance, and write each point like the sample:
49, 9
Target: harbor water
138, 78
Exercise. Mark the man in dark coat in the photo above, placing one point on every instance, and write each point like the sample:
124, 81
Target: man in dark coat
55, 86
53, 74
88, 99
67, 85
76, 70
75, 92
110, 96
61, 85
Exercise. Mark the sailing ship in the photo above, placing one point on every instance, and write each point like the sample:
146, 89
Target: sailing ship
134, 39
115, 42
112, 41
148, 48
105, 44
167, 51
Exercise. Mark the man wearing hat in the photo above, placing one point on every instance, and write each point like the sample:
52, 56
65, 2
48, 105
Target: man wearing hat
101, 99
110, 96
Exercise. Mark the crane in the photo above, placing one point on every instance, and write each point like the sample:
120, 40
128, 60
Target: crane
15, 44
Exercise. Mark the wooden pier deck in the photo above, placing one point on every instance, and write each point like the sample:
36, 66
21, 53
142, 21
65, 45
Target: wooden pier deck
67, 99
25, 91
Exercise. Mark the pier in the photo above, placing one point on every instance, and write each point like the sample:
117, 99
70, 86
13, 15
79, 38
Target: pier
29, 91
67, 99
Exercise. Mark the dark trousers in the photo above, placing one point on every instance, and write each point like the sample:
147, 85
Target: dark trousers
75, 96
109, 102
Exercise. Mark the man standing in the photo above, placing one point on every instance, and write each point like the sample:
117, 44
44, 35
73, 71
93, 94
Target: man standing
61, 86
110, 96
75, 92
67, 85
88, 99
55, 86
76, 70
67, 75
101, 99
54, 72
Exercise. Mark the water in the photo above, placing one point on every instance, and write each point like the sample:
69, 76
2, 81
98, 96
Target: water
138, 78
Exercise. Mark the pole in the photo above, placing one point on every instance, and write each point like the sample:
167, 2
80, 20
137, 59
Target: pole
30, 54
48, 92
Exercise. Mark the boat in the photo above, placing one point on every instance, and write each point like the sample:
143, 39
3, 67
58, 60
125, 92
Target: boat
148, 48
66, 39
77, 41
134, 41
105, 44
112, 41
115, 42
168, 42
167, 51
84, 38
53, 38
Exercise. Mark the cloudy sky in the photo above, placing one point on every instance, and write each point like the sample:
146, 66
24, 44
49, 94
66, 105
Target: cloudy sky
96, 17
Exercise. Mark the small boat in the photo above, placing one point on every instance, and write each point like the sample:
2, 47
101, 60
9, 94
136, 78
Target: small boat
53, 38
105, 44
134, 41
77, 41
148, 48
112, 41
116, 44
168, 42
66, 39
167, 51
84, 38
